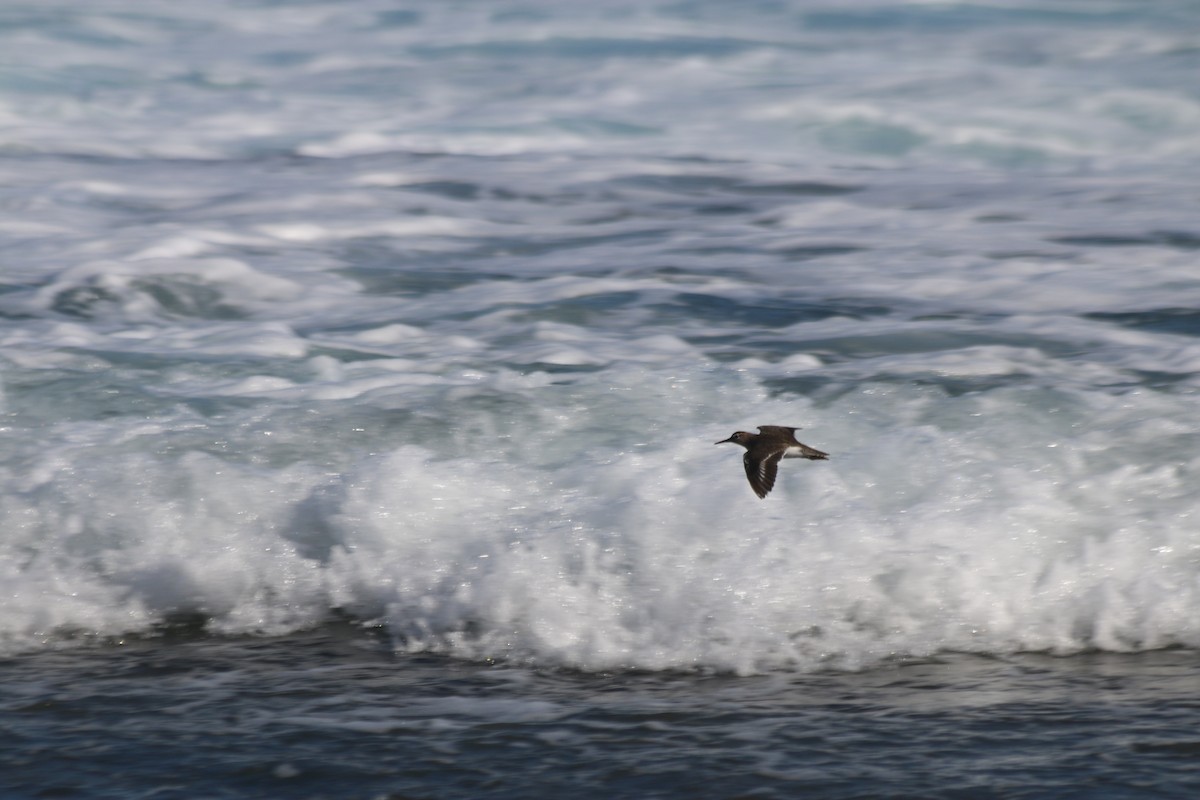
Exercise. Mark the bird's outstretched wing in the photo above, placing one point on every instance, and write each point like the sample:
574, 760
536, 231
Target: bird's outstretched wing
775, 429
761, 470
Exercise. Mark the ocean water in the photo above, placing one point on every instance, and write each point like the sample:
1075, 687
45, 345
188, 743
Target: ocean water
361, 364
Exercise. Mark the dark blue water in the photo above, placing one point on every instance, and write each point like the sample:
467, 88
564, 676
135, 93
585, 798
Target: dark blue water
335, 714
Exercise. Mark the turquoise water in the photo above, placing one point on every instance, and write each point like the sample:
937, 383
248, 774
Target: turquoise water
399, 336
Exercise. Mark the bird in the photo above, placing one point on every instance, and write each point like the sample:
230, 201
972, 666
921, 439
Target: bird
764, 450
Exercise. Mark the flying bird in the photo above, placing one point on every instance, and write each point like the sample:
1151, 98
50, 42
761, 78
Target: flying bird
764, 450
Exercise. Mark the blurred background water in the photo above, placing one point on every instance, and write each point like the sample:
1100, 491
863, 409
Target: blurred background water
361, 364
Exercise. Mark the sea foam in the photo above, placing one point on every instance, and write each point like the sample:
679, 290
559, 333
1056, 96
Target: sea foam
986, 523
429, 321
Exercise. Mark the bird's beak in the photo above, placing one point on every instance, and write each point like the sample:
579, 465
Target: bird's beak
723, 441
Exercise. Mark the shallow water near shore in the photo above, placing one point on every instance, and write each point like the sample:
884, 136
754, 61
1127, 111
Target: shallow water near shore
336, 713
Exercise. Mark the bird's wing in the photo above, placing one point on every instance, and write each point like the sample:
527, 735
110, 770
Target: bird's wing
769, 429
761, 472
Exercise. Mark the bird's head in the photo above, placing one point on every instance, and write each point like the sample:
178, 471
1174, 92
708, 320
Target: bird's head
739, 437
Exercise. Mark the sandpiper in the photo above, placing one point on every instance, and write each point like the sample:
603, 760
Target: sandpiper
765, 448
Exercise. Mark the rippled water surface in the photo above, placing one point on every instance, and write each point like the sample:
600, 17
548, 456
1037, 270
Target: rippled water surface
333, 714
354, 345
